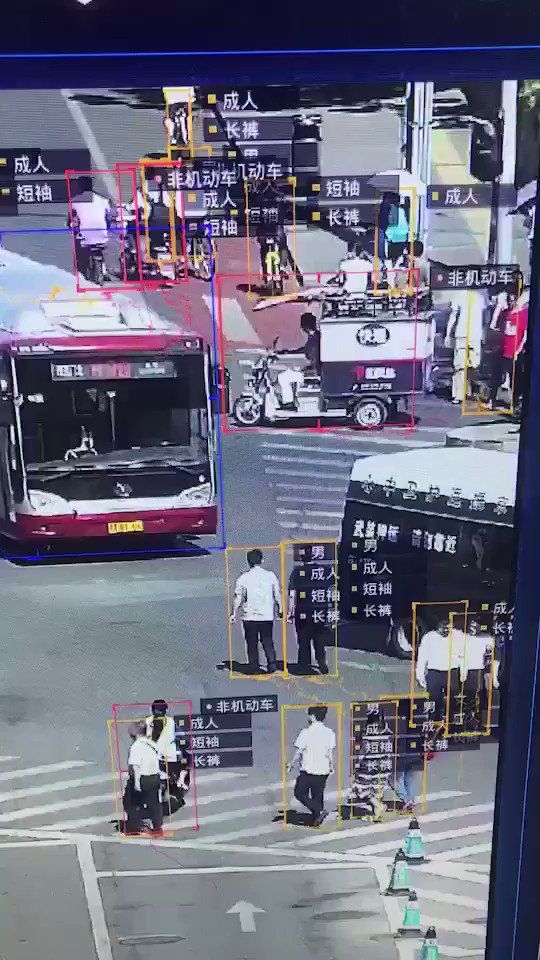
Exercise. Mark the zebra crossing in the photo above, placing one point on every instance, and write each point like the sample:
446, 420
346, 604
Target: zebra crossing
235, 811
309, 475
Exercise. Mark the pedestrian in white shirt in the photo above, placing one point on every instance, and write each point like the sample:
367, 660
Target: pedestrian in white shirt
314, 755
258, 593
356, 271
143, 764
439, 655
476, 655
464, 334
91, 216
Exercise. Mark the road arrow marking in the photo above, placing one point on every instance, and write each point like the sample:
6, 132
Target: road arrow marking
246, 914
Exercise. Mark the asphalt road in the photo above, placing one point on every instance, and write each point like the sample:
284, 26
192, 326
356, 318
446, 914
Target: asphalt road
79, 637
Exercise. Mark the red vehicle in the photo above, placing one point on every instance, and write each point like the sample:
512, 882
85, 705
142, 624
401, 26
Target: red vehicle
105, 424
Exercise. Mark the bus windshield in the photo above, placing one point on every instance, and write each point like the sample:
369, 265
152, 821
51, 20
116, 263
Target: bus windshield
108, 412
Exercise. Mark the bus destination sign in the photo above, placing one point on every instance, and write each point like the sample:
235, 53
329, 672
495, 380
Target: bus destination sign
114, 370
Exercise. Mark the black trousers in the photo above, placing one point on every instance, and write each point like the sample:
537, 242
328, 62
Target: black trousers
437, 687
255, 632
309, 791
308, 634
150, 786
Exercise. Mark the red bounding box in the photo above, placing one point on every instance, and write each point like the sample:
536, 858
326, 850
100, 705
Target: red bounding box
124, 715
374, 346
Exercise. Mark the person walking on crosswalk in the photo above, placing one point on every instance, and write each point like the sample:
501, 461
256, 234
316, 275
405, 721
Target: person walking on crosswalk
143, 789
258, 593
314, 756
437, 665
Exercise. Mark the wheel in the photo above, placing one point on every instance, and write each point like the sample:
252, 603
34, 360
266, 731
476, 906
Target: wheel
247, 411
399, 640
369, 413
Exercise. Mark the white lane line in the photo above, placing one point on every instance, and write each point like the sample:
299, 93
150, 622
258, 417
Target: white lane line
201, 801
453, 899
436, 838
193, 871
46, 768
235, 324
327, 501
58, 787
75, 824
29, 812
465, 851
93, 898
272, 472
327, 514
358, 832
454, 926
460, 952
453, 871
308, 461
274, 827
314, 487
20, 844
334, 451
96, 153
6, 759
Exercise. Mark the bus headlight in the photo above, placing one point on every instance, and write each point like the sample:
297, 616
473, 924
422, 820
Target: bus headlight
196, 495
47, 503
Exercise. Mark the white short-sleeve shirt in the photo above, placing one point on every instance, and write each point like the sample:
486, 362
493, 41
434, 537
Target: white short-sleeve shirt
316, 744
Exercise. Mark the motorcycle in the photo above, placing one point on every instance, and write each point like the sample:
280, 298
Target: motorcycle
249, 408
200, 258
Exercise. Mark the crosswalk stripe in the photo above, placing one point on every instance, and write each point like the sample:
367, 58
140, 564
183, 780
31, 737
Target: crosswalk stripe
454, 926
322, 834
454, 871
453, 899
45, 768
273, 472
434, 838
29, 812
315, 487
325, 501
7, 759
328, 514
58, 787
458, 952
308, 461
396, 824
465, 851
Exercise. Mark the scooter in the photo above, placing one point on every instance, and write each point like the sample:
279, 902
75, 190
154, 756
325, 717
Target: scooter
260, 402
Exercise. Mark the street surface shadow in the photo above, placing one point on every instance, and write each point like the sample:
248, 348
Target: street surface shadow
75, 551
236, 666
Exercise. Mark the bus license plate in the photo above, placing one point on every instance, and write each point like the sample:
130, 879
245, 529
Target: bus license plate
131, 526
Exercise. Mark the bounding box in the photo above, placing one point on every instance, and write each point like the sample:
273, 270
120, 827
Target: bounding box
290, 730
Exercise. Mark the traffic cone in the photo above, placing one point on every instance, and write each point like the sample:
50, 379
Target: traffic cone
413, 847
430, 947
399, 878
411, 918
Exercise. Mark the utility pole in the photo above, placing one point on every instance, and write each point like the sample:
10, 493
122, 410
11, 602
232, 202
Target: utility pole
504, 222
420, 154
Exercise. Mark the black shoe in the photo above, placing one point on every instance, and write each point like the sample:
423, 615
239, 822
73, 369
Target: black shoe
320, 818
305, 669
271, 668
323, 668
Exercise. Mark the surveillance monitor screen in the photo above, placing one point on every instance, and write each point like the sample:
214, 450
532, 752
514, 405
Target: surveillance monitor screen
262, 367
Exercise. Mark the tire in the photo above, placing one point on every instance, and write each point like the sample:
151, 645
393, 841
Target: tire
398, 641
247, 412
369, 413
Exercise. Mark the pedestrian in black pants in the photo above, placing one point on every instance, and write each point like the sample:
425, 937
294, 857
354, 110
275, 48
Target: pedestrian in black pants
314, 755
144, 794
309, 633
258, 593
